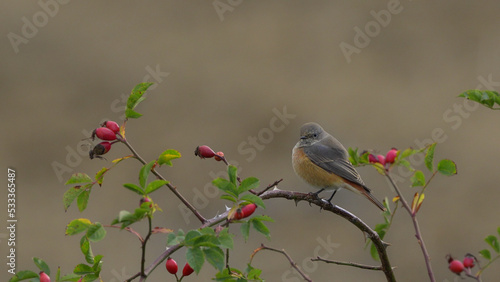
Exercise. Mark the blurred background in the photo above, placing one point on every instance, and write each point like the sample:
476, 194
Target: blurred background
242, 77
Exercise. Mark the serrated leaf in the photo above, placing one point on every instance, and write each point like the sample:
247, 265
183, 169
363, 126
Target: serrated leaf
132, 114
97, 263
226, 186
195, 258
226, 239
41, 265
245, 230
78, 178
486, 98
253, 199
83, 200
263, 218
486, 254
115, 161
155, 185
99, 176
253, 273
191, 236
77, 226
96, 232
229, 197
260, 227
23, 275
215, 256
493, 242
231, 172
248, 184
429, 157
418, 179
144, 173
136, 96
86, 249
82, 269
70, 277
70, 195
167, 157
353, 156
134, 188
447, 167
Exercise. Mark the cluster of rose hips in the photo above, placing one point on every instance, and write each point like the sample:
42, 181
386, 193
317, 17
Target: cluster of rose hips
457, 266
381, 159
205, 152
172, 268
106, 132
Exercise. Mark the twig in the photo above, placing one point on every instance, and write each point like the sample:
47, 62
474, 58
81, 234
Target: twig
371, 234
418, 233
143, 258
172, 188
270, 186
292, 263
129, 229
353, 264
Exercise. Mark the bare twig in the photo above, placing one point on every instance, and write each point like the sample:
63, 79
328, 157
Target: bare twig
418, 233
270, 186
292, 263
353, 264
129, 229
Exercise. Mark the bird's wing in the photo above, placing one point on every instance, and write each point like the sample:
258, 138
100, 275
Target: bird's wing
334, 161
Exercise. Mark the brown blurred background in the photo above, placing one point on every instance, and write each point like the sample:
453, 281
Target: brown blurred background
220, 78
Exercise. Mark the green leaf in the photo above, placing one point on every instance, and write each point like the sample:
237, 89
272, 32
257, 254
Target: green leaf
23, 275
77, 226
226, 239
486, 98
498, 230
374, 252
418, 179
231, 172
82, 269
143, 174
215, 256
91, 277
253, 199
99, 176
83, 200
260, 227
195, 258
155, 185
429, 157
58, 274
86, 249
97, 263
70, 195
132, 114
493, 242
353, 156
96, 232
136, 96
79, 178
167, 157
263, 218
486, 254
70, 277
245, 230
134, 188
41, 265
248, 184
174, 239
447, 167
253, 273
229, 197
226, 186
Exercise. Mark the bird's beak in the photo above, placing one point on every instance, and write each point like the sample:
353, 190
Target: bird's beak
303, 137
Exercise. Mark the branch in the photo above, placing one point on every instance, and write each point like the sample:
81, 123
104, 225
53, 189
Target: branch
172, 188
353, 264
292, 263
418, 233
371, 234
129, 229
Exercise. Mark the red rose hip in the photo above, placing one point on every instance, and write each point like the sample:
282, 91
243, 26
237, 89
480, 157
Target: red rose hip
381, 159
204, 152
187, 270
391, 156
171, 266
372, 159
104, 133
469, 262
100, 149
44, 277
456, 266
111, 125
219, 156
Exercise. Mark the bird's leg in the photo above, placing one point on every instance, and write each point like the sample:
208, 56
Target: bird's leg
331, 197
319, 191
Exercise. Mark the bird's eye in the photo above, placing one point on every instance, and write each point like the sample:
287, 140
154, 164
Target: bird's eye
315, 135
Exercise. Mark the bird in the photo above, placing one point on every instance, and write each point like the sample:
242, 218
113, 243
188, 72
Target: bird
323, 162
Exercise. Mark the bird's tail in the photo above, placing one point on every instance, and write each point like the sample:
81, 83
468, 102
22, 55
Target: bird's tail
374, 200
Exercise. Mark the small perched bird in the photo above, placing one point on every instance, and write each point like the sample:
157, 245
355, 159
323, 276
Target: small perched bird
323, 162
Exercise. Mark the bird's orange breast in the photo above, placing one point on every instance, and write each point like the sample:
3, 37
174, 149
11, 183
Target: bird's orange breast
313, 174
